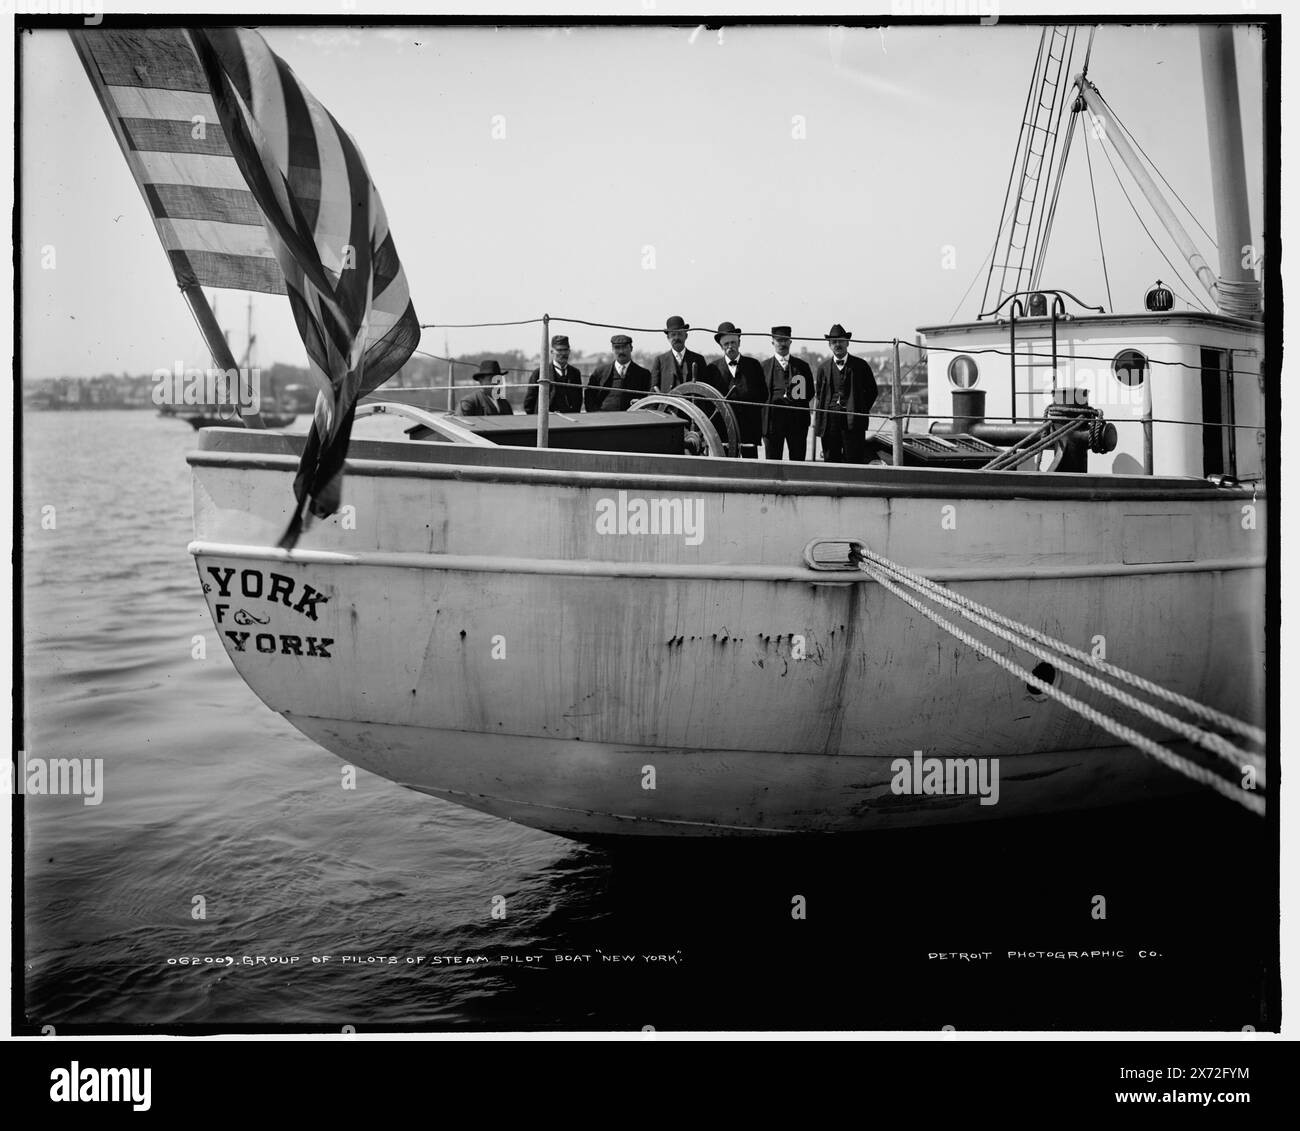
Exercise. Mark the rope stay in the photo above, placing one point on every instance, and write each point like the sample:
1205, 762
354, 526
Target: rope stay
898, 580
1097, 216
1154, 242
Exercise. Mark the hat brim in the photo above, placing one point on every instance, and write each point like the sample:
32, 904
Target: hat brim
674, 329
836, 337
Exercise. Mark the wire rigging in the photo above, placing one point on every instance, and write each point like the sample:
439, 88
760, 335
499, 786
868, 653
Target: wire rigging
1087, 148
1015, 160
1174, 269
1129, 134
1059, 94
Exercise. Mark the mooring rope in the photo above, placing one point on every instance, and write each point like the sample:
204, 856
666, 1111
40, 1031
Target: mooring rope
893, 577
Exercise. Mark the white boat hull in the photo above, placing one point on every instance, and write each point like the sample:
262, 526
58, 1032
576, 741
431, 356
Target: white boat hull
503, 653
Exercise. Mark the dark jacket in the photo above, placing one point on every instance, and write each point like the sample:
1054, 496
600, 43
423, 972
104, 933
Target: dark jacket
746, 396
482, 403
606, 393
663, 370
862, 383
566, 391
773, 378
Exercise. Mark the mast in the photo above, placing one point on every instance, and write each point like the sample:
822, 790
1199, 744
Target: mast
248, 352
1240, 290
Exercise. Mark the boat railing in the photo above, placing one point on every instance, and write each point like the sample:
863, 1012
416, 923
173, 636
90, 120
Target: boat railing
898, 419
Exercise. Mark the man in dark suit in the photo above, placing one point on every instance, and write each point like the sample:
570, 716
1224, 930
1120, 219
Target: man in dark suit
618, 384
679, 364
789, 383
740, 380
566, 381
490, 398
846, 390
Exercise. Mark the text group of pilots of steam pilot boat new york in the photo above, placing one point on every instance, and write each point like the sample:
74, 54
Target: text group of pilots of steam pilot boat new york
773, 400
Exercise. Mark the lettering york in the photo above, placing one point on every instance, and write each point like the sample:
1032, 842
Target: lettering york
253, 584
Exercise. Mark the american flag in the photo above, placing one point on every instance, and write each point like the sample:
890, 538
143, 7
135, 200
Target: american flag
253, 185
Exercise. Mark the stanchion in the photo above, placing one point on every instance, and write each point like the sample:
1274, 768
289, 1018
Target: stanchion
898, 408
544, 386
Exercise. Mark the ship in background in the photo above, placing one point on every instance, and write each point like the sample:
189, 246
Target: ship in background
226, 412
585, 630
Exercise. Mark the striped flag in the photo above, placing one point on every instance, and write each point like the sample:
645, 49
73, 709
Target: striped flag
253, 185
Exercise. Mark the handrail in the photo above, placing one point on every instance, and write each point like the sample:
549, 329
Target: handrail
1057, 291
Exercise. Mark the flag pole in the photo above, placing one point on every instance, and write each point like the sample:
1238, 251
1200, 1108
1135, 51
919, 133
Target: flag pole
544, 387
219, 347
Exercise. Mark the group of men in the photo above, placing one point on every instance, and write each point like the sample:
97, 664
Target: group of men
772, 400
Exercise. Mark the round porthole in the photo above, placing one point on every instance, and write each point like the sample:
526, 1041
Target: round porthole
1130, 367
963, 373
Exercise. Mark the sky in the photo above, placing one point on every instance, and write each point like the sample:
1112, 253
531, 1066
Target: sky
795, 174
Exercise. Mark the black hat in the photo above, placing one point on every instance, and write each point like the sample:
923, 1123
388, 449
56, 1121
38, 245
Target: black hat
724, 329
620, 340
560, 340
489, 368
837, 331
781, 332
676, 322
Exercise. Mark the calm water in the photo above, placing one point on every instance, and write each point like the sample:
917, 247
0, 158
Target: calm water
208, 794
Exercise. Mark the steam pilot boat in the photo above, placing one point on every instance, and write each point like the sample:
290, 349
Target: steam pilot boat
582, 628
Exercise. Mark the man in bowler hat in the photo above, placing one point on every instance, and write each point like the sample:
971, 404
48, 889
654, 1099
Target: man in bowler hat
484, 401
789, 382
846, 390
740, 380
618, 384
566, 381
679, 364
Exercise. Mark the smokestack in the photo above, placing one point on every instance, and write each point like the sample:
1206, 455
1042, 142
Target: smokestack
1238, 289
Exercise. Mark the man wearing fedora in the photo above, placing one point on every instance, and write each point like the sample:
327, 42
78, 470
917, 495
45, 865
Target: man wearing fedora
846, 390
618, 384
740, 380
484, 400
566, 381
679, 364
789, 383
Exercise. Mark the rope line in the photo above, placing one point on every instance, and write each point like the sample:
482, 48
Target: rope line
1178, 274
1015, 161
1105, 273
777, 407
1047, 213
882, 342
477, 325
1129, 134
1006, 628
974, 279
1168, 758
473, 364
